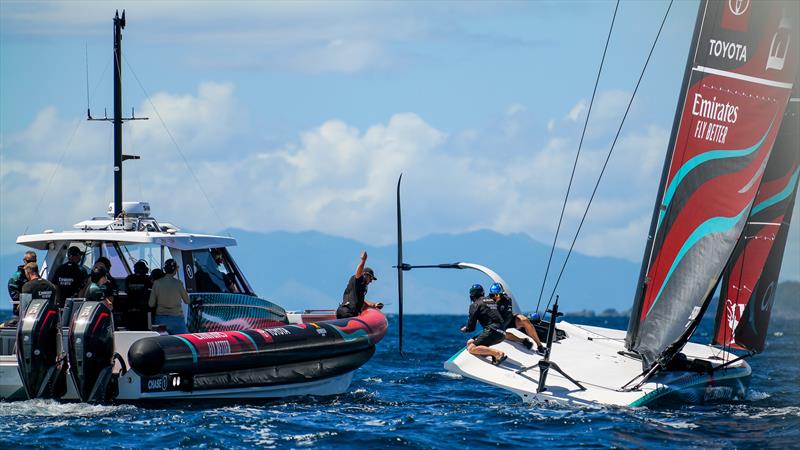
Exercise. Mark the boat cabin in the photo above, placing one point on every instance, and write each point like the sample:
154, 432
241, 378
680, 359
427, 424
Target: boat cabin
205, 265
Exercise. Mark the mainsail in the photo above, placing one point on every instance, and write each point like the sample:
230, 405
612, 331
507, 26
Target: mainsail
739, 81
748, 284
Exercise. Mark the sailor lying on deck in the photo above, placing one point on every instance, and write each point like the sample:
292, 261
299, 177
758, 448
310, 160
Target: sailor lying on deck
484, 310
511, 320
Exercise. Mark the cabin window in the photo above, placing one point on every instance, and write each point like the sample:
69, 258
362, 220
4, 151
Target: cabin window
87, 259
213, 272
119, 269
153, 255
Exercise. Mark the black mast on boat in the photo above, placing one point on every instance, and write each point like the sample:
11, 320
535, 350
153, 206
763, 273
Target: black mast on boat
119, 158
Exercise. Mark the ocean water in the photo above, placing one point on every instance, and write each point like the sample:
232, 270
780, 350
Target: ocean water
413, 402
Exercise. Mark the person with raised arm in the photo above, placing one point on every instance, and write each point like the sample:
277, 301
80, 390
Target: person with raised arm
354, 298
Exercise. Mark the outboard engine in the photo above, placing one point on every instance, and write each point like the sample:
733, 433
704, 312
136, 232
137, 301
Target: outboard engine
40, 367
91, 351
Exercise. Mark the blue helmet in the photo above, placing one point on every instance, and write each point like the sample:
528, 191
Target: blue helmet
476, 291
535, 317
496, 288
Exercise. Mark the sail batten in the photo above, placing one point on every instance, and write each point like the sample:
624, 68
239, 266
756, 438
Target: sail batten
732, 106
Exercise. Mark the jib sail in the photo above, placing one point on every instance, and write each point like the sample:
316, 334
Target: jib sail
739, 81
749, 281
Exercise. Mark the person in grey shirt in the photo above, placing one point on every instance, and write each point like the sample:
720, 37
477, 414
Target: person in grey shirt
165, 299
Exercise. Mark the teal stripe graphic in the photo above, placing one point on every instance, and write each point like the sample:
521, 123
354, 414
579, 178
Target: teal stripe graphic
713, 225
248, 338
702, 158
779, 196
191, 347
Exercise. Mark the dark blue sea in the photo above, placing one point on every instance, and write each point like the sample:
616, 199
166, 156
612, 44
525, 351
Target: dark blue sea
414, 402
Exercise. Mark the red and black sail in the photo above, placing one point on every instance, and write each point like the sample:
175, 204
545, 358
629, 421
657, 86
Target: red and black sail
749, 281
740, 78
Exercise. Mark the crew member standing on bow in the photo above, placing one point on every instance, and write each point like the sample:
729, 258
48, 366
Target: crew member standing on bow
69, 277
353, 299
484, 310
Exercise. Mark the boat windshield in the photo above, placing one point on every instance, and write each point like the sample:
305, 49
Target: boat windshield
214, 271
153, 255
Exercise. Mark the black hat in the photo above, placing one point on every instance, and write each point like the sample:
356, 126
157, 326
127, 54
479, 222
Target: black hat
74, 251
370, 272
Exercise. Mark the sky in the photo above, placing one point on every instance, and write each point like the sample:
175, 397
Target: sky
298, 116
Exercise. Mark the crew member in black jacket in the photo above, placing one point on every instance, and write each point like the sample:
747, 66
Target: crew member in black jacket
484, 310
69, 277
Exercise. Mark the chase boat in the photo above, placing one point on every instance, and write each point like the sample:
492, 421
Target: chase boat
240, 346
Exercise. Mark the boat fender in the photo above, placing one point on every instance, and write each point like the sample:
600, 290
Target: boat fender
37, 350
91, 351
147, 356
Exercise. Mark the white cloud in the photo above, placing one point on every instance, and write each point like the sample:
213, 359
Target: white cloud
577, 110
335, 178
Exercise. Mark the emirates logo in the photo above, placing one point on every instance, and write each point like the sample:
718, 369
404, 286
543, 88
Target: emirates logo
738, 7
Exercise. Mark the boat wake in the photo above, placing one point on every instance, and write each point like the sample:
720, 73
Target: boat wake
52, 408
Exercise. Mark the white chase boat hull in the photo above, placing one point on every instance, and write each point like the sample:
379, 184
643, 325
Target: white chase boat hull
591, 356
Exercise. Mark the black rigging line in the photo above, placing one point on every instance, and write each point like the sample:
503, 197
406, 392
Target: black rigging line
175, 143
610, 151
577, 155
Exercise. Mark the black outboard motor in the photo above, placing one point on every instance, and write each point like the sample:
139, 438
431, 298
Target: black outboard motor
38, 351
91, 351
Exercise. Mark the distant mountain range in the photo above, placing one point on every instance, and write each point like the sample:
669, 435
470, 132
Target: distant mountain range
309, 270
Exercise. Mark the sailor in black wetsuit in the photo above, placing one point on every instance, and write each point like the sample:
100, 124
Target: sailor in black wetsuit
39, 288
69, 277
511, 320
353, 299
15, 284
484, 310
137, 286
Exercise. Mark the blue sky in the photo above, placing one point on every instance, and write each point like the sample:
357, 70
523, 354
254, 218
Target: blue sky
300, 115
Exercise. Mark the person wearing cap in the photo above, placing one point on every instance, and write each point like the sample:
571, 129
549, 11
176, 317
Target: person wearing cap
137, 286
511, 320
484, 311
18, 280
354, 297
166, 297
69, 277
39, 288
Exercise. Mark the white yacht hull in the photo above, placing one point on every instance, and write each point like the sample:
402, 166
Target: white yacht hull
591, 356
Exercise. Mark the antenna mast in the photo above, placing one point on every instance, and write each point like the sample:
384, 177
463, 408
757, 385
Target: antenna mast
119, 25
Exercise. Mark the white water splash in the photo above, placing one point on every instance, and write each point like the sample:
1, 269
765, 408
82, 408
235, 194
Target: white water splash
373, 380
754, 396
451, 375
52, 408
